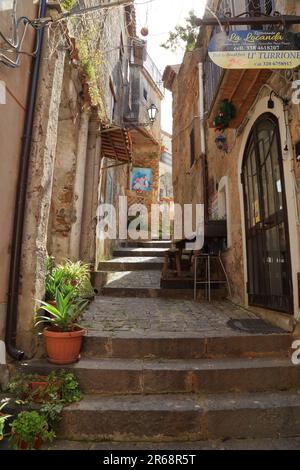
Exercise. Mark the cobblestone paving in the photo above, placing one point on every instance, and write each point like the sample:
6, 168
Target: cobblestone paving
111, 316
137, 279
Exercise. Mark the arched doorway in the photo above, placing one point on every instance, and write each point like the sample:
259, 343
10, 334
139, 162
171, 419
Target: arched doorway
267, 237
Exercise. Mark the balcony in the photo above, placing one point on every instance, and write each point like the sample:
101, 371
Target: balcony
238, 86
154, 73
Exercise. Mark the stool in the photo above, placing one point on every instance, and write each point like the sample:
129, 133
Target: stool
208, 259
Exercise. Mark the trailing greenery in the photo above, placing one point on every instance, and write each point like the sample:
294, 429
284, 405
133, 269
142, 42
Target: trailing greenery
91, 61
185, 36
27, 428
67, 5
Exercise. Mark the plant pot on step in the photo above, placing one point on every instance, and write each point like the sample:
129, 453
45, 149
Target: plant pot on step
63, 336
63, 347
23, 445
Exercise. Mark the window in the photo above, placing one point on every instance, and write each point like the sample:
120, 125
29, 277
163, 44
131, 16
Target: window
258, 7
121, 54
192, 147
145, 94
113, 102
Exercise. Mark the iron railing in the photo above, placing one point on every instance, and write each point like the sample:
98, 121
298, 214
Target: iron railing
212, 79
154, 73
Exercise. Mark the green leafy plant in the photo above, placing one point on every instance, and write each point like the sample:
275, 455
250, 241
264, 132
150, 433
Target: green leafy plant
3, 417
186, 35
59, 387
226, 113
70, 277
77, 274
65, 315
52, 413
29, 430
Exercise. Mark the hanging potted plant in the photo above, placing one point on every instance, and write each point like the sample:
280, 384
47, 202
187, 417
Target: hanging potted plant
226, 113
64, 335
29, 430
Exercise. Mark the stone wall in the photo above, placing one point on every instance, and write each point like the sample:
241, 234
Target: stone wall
187, 177
63, 214
223, 169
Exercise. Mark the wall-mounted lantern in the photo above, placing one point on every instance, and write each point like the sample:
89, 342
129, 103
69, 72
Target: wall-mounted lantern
152, 113
297, 150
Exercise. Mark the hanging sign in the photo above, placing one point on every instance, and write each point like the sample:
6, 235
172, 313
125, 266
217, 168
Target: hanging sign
255, 50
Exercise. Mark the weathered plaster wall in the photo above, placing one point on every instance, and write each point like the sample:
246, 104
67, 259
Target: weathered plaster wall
44, 139
63, 213
12, 115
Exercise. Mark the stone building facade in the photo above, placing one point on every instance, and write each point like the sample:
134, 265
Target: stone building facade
262, 255
81, 150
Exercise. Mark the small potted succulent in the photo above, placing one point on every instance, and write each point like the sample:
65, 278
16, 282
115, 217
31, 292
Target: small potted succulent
63, 335
29, 430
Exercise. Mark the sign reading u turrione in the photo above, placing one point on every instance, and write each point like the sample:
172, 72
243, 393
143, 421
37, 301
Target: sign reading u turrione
255, 50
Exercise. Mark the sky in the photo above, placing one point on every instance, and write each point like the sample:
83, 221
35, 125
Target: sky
161, 16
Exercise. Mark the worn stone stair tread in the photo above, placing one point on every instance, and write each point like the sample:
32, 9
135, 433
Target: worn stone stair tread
144, 252
168, 364
292, 443
144, 376
193, 402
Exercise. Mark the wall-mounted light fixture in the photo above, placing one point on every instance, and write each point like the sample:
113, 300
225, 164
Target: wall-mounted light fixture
152, 114
221, 143
271, 104
297, 150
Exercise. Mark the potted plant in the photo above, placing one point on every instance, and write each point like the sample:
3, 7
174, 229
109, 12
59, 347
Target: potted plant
28, 387
29, 430
64, 336
67, 277
3, 417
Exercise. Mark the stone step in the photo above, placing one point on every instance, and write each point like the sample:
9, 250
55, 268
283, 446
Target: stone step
131, 264
162, 418
117, 376
144, 252
157, 293
291, 443
173, 345
146, 244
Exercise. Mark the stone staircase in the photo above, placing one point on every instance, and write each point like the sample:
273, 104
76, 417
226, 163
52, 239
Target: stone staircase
162, 370
179, 388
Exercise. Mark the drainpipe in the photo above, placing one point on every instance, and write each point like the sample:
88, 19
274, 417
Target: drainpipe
17, 237
202, 138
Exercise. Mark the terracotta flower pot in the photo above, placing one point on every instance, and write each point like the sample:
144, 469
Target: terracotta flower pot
63, 347
38, 388
23, 445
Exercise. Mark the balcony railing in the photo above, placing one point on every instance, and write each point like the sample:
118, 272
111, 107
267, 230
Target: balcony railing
212, 78
154, 73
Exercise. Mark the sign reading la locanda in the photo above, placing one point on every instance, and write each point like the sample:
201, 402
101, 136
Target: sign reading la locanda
253, 49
